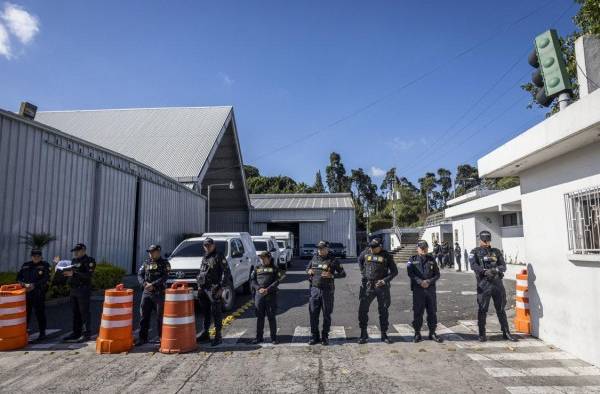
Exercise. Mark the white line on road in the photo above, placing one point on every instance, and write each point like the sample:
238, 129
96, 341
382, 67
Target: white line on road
550, 371
301, 336
521, 356
498, 344
468, 293
232, 337
337, 333
448, 333
552, 389
373, 332
406, 332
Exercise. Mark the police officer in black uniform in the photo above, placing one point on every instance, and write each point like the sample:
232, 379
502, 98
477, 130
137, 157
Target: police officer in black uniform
34, 276
152, 276
437, 253
423, 272
445, 251
322, 269
378, 268
264, 281
214, 275
489, 266
79, 279
457, 255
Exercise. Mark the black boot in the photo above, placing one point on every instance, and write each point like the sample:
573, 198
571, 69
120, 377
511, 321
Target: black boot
325, 341
217, 340
482, 337
274, 340
385, 338
71, 338
364, 336
203, 337
506, 335
256, 341
314, 339
41, 336
434, 337
418, 337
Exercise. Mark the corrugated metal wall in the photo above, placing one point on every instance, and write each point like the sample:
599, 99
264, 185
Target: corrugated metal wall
339, 224
229, 221
165, 215
53, 182
115, 217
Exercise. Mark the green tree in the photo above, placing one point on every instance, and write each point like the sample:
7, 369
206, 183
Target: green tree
587, 20
427, 186
337, 180
467, 177
251, 171
444, 181
303, 188
36, 240
388, 181
365, 190
271, 185
318, 185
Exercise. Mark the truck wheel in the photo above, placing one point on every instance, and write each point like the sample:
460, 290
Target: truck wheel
228, 297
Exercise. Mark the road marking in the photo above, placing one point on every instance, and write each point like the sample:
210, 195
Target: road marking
443, 291
521, 356
468, 293
231, 338
337, 333
374, 333
549, 371
448, 333
498, 344
49, 332
552, 389
301, 336
406, 332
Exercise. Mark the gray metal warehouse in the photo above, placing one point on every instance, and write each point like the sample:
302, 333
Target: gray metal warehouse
118, 180
311, 217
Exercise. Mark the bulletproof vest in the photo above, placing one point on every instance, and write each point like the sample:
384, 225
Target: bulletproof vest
154, 270
82, 265
265, 276
211, 270
32, 272
488, 257
319, 265
375, 266
428, 271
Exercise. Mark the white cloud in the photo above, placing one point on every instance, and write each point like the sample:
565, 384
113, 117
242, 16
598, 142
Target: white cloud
227, 80
4, 42
377, 172
20, 22
402, 145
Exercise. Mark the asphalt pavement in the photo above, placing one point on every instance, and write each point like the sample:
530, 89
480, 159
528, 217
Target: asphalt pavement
460, 364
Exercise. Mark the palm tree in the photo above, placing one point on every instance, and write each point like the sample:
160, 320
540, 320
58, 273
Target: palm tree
36, 240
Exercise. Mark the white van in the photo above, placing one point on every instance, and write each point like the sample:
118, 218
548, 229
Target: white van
285, 242
237, 248
269, 244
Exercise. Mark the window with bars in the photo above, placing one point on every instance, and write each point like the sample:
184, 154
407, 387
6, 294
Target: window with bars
583, 220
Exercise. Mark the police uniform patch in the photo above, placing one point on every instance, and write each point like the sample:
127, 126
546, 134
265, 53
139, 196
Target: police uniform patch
40, 272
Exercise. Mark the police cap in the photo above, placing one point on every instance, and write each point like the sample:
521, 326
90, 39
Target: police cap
375, 243
422, 244
36, 252
153, 248
485, 236
323, 244
79, 246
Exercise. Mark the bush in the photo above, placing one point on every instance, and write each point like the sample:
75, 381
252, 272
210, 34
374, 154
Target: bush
7, 278
107, 276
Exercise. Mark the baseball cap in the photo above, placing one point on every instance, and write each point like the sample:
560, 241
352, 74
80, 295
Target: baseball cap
152, 248
79, 246
323, 244
485, 236
36, 252
422, 244
375, 243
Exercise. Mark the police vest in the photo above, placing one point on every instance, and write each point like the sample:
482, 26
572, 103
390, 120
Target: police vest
83, 265
488, 257
211, 270
319, 266
265, 276
154, 270
375, 266
428, 268
33, 273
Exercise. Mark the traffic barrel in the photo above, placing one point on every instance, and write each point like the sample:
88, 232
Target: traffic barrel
116, 333
179, 323
13, 317
522, 316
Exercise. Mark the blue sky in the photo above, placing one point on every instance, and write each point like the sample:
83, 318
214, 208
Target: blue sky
327, 74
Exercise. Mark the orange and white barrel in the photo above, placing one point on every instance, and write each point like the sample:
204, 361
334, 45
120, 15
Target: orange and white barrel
522, 315
13, 317
116, 326
179, 322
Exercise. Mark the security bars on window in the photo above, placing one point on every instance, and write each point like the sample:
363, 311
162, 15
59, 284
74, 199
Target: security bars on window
583, 220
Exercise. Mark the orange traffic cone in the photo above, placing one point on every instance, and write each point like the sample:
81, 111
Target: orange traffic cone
13, 317
522, 316
179, 323
116, 335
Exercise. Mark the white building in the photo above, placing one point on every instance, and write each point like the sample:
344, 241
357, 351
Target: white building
498, 212
558, 162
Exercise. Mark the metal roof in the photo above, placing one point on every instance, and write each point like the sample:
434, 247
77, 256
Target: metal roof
176, 141
302, 201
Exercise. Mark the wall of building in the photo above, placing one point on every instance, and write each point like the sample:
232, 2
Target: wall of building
513, 244
79, 192
333, 225
437, 232
564, 293
229, 221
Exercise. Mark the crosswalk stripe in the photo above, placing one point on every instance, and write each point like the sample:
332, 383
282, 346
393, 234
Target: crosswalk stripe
232, 337
373, 332
536, 356
406, 332
549, 371
448, 333
499, 344
49, 332
301, 336
552, 389
337, 333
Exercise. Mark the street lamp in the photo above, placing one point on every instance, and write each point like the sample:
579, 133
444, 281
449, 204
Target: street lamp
229, 185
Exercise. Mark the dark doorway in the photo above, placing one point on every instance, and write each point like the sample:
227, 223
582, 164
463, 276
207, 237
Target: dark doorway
293, 228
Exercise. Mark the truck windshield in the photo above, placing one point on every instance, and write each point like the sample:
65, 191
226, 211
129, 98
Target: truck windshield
281, 244
260, 245
196, 249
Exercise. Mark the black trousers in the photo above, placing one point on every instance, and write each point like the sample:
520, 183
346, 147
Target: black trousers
457, 259
151, 302
424, 300
36, 302
211, 310
266, 305
80, 306
366, 296
491, 290
320, 299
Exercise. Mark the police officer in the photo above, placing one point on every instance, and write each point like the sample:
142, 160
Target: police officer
214, 275
152, 276
322, 269
445, 251
437, 253
264, 281
423, 272
34, 276
79, 279
489, 266
378, 268
457, 255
